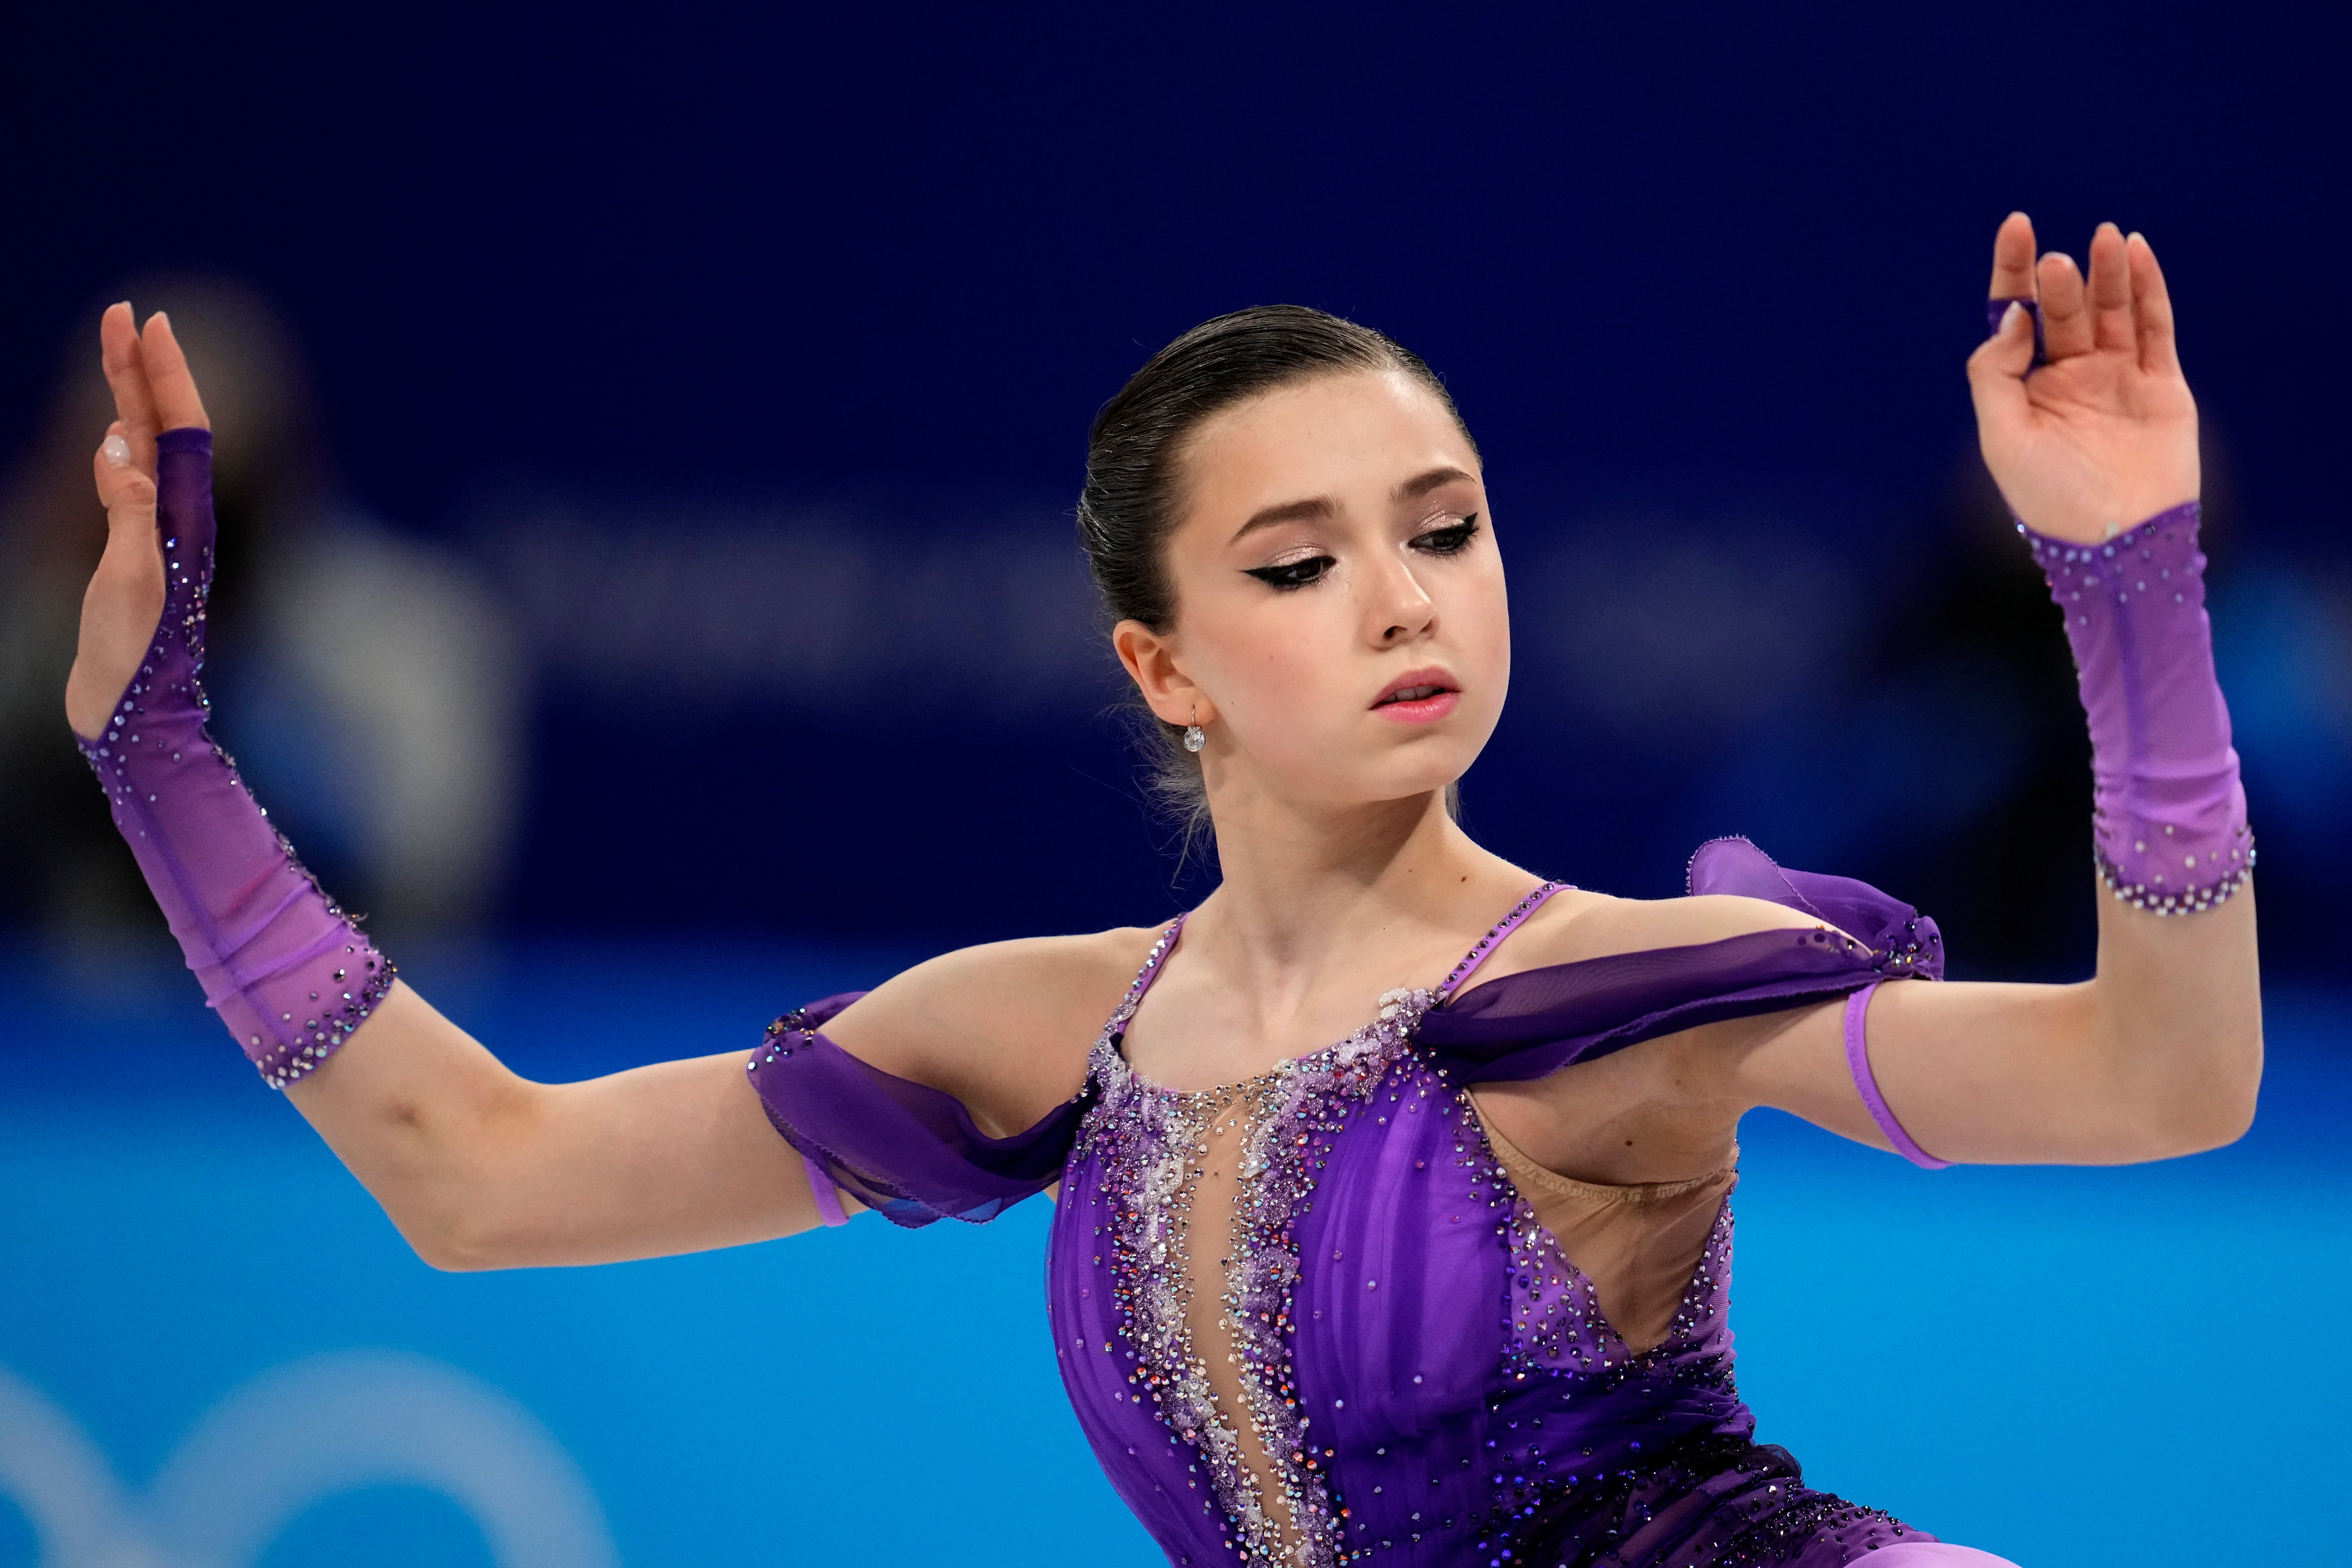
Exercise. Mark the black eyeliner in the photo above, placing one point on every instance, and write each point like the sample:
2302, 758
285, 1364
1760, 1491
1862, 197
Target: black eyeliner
1467, 528
1273, 576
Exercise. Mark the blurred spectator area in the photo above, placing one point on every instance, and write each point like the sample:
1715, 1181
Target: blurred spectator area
366, 679
855, 613
896, 717
890, 716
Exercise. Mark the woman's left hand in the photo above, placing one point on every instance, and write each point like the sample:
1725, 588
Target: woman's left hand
153, 392
2104, 436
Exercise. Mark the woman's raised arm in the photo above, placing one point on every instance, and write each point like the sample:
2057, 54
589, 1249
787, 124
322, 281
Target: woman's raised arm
2093, 440
477, 1167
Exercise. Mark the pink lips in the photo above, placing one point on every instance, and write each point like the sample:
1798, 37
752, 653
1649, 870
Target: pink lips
1421, 697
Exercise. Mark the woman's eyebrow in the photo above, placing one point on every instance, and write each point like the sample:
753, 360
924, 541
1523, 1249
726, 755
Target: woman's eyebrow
1320, 507
1315, 507
1421, 485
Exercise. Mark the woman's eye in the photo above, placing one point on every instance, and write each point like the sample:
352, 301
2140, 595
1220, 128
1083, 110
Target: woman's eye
1450, 539
1293, 573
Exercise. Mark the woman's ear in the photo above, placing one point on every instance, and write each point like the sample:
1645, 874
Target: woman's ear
1152, 662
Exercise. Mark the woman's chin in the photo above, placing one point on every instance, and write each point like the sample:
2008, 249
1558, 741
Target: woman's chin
1397, 787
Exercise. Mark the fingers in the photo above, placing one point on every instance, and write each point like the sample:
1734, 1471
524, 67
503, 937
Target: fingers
2151, 309
126, 492
1997, 380
2013, 259
111, 459
2112, 329
2065, 309
173, 390
126, 375
121, 480
126, 594
1997, 370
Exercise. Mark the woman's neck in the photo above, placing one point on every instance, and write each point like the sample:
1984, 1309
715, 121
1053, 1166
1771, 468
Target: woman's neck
1305, 890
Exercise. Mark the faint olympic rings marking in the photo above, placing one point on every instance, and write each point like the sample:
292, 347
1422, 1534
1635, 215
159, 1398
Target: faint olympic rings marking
287, 1439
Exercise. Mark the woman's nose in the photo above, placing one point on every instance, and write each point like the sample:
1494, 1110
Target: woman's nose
1404, 609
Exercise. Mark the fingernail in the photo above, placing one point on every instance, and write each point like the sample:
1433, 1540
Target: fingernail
2014, 310
117, 450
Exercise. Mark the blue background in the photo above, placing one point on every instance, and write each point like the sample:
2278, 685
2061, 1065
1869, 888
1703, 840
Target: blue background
615, 309
2127, 1366
593, 299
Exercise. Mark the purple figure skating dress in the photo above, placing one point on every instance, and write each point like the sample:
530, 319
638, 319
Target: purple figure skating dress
1376, 1350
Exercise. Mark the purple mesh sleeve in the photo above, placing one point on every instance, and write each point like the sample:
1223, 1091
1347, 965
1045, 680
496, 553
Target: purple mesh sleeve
1865, 1082
1537, 1021
2168, 814
904, 1148
289, 971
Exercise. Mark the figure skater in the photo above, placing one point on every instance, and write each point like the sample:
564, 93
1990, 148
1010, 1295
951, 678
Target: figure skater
1452, 1290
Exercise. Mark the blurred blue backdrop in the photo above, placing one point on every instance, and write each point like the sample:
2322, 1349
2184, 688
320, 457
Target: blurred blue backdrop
2066, 1367
647, 446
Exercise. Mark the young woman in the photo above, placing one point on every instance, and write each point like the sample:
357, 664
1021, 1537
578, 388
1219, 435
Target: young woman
1450, 1292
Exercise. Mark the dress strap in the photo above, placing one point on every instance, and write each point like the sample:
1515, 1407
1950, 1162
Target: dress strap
1494, 938
1153, 961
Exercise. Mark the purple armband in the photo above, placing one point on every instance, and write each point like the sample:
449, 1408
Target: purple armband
1865, 1082
827, 1195
2169, 814
289, 973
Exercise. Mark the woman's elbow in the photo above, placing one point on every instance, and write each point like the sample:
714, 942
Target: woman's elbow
2217, 1123
466, 1209
466, 1216
455, 1244
2214, 1110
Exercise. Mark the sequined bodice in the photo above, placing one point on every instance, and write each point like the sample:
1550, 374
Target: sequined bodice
1308, 1317
1213, 1179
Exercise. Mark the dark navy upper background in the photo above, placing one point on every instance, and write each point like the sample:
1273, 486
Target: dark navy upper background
1701, 279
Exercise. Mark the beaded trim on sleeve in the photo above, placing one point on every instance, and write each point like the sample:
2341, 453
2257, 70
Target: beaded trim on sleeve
2141, 565
2140, 896
338, 1015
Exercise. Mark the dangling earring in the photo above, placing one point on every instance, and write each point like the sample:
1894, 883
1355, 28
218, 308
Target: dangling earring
1194, 737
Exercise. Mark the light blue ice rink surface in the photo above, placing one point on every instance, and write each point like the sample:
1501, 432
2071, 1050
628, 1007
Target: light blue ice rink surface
2068, 1367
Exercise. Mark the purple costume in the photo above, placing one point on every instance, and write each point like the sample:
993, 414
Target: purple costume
1433, 1378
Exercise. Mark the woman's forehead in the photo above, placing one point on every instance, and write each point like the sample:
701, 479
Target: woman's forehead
1338, 437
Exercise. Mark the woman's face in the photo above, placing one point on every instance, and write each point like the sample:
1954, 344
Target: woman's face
1341, 629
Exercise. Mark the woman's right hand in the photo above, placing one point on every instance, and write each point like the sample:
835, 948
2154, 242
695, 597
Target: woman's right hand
153, 392
2102, 437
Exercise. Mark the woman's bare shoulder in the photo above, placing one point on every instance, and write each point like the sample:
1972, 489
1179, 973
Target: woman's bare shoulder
1004, 1027
1580, 925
